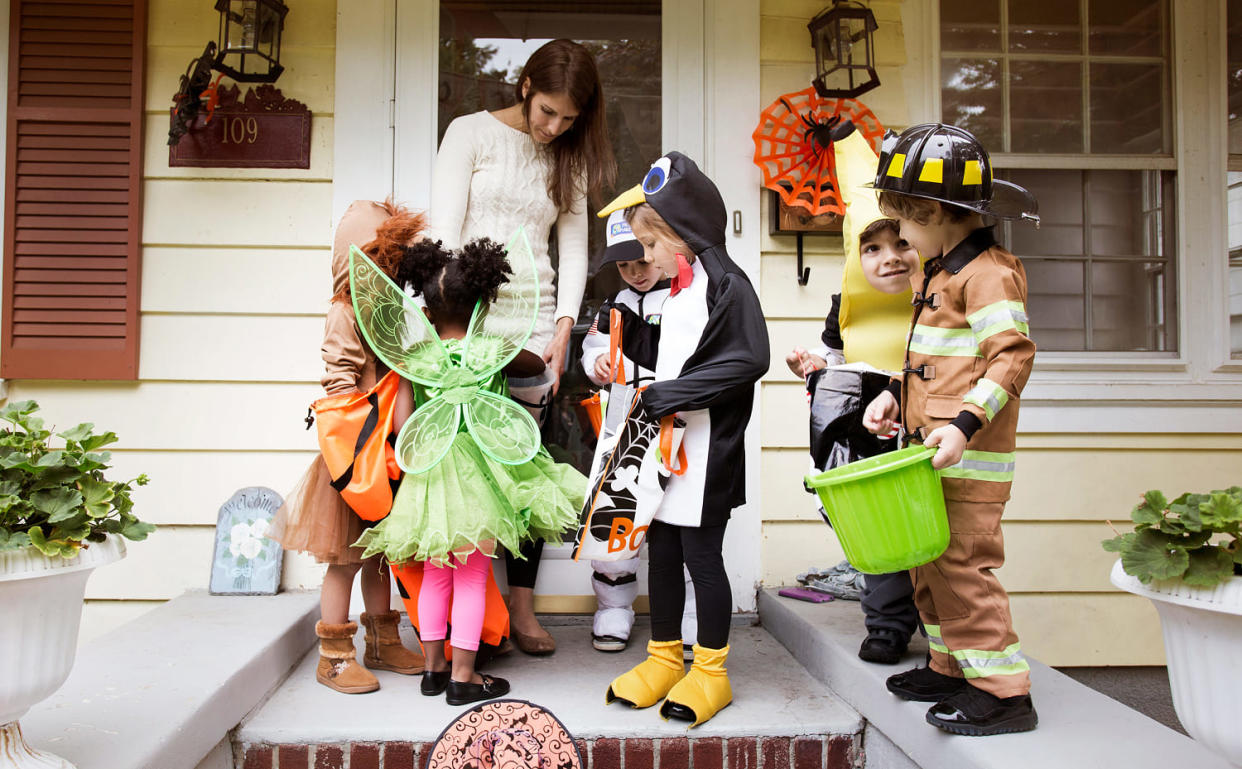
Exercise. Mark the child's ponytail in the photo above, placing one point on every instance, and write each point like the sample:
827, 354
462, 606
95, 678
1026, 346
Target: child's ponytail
452, 283
421, 264
483, 269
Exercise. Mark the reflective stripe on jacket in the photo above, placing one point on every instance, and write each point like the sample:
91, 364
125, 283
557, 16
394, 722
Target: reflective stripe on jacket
970, 340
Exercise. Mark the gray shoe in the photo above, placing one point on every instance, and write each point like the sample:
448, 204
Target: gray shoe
813, 573
846, 586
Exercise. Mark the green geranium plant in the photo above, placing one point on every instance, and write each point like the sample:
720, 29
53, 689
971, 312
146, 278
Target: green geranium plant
1195, 538
57, 499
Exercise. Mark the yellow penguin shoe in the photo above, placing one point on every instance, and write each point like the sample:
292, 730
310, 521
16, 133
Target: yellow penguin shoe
650, 680
705, 690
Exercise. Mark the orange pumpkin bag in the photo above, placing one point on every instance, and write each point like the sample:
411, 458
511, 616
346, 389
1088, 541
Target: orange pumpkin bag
354, 437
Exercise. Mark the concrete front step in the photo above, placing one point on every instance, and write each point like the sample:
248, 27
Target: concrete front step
1078, 726
162, 690
780, 718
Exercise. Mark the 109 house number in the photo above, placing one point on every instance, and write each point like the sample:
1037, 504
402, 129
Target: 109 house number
239, 130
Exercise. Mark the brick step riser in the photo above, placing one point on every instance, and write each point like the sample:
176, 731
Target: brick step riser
809, 752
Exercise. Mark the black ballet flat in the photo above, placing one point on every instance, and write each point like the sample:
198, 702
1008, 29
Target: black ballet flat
460, 693
434, 683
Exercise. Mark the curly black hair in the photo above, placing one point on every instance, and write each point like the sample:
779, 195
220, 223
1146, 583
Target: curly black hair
453, 282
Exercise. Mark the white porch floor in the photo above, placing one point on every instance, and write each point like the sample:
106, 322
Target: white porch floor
773, 696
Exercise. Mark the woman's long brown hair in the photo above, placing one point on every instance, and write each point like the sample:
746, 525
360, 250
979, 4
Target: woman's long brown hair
583, 151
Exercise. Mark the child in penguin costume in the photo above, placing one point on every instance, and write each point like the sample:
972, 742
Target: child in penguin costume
708, 351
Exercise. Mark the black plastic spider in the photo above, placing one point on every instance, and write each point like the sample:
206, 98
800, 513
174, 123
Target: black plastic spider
189, 98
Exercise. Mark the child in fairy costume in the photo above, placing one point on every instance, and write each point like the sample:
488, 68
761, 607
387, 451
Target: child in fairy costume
477, 478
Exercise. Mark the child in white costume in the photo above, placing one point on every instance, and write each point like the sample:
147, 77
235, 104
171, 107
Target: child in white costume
616, 582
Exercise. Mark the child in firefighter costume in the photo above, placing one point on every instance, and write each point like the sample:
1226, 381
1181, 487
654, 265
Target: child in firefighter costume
868, 323
315, 517
616, 582
967, 359
709, 350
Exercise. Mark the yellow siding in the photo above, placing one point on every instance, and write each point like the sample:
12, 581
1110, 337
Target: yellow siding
1067, 486
235, 281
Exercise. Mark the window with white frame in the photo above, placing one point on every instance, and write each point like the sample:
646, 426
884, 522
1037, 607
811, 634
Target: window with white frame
1072, 98
1233, 79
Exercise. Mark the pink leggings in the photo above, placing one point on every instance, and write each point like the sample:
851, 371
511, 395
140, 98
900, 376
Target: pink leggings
463, 586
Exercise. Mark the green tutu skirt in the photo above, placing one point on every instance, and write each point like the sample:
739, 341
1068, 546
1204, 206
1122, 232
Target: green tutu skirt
469, 498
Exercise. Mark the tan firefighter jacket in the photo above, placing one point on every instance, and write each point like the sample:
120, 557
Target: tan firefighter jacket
969, 351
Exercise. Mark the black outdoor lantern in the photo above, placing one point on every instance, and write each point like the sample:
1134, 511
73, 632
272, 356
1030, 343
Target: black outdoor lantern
249, 45
844, 50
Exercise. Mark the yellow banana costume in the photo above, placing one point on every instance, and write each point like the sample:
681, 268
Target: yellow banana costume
874, 325
649, 681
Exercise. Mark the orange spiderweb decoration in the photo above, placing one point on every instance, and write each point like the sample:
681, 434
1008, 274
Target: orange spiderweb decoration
793, 147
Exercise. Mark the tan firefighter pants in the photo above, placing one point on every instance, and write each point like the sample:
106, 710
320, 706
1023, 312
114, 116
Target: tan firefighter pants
964, 607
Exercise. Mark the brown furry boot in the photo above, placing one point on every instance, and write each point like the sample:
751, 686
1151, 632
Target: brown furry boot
338, 664
384, 648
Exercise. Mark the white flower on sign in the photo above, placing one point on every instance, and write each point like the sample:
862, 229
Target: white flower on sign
250, 548
246, 539
238, 536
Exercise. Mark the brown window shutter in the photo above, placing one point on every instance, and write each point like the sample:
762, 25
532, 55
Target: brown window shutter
73, 183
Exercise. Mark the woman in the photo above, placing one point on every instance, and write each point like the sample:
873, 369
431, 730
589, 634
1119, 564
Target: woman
533, 164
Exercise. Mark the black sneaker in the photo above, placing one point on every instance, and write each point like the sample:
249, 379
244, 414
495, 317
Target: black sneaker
977, 713
883, 646
924, 685
460, 693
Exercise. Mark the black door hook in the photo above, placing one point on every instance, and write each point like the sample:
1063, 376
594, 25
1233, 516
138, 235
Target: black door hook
803, 274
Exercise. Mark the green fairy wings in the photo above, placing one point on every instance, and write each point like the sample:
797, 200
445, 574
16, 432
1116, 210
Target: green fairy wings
402, 337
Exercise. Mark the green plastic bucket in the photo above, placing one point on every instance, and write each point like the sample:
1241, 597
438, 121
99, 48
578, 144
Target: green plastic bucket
887, 510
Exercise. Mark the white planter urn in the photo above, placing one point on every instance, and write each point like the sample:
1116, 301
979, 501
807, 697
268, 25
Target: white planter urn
1203, 644
42, 600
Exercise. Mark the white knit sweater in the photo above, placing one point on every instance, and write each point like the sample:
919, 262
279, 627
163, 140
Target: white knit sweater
489, 179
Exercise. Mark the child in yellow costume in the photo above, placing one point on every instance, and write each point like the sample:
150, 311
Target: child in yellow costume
867, 324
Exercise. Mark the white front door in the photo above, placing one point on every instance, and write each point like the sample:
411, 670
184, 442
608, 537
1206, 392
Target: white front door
387, 128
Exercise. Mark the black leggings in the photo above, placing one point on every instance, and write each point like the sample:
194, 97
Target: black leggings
523, 573
668, 547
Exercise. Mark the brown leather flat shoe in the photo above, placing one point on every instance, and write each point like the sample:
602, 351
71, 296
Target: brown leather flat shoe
538, 646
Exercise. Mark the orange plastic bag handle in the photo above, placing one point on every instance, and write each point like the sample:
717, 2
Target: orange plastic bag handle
615, 356
666, 448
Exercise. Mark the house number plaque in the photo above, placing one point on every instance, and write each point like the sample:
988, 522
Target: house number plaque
263, 130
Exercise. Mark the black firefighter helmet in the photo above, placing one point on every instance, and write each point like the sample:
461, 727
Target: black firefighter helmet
948, 164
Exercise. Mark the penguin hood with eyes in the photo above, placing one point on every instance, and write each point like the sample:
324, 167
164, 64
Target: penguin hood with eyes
684, 197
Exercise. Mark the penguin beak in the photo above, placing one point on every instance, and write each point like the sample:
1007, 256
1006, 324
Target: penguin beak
631, 197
